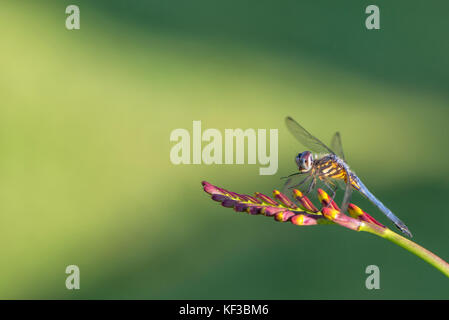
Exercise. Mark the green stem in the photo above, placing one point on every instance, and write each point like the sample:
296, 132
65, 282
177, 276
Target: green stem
411, 246
417, 250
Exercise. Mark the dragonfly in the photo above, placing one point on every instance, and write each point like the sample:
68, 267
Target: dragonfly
323, 164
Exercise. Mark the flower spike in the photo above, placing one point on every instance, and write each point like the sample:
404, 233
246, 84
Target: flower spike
283, 209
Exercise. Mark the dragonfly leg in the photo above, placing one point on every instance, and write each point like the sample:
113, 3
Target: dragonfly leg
287, 189
311, 186
291, 175
301, 183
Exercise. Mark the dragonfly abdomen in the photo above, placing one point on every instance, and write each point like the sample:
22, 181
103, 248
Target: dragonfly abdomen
364, 191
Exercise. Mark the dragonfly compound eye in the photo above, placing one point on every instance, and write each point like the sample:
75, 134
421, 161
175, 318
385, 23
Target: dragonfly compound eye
298, 160
306, 160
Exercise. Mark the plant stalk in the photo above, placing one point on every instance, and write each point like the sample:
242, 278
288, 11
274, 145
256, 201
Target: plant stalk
409, 245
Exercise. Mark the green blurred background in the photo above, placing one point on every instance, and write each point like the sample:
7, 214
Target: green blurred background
85, 121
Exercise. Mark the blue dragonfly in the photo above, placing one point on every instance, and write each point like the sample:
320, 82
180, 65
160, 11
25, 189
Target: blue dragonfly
320, 163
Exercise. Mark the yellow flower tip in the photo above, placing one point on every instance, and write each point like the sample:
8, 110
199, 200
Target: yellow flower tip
354, 211
279, 216
275, 192
297, 193
322, 195
298, 219
330, 213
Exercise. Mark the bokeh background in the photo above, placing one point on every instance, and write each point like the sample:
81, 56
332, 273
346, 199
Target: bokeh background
86, 116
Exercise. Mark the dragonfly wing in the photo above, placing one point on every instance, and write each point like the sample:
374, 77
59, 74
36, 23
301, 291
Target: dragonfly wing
298, 181
337, 146
347, 196
306, 139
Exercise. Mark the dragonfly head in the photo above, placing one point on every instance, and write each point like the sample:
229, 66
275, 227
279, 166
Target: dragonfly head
304, 160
